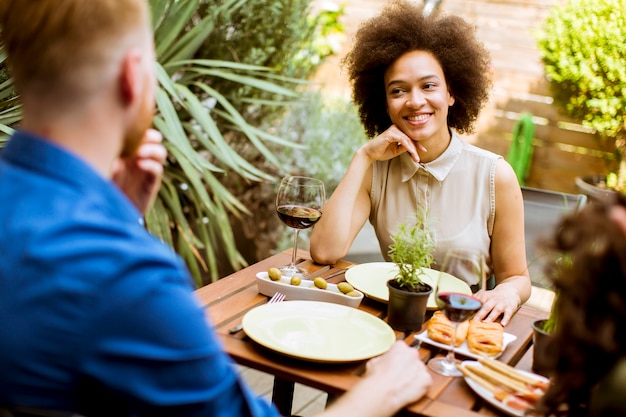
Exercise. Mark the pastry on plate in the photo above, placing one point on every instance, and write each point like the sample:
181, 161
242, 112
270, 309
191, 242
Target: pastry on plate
485, 338
440, 329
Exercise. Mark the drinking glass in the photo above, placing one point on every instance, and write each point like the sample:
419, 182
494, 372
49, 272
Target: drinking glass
469, 267
299, 205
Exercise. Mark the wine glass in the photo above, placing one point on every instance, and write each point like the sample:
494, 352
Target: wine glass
469, 267
299, 205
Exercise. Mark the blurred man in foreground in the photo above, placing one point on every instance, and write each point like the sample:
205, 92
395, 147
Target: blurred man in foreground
96, 315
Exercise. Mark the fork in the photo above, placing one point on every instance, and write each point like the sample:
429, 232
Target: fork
276, 298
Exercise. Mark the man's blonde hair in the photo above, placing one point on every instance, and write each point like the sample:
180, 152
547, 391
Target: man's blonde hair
68, 47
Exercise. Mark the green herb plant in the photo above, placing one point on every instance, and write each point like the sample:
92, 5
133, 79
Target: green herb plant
412, 250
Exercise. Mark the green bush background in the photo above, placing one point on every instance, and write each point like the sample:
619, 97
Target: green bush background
582, 46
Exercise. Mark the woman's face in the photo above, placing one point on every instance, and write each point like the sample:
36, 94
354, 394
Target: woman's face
418, 96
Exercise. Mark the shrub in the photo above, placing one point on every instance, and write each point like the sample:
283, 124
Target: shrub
582, 46
329, 131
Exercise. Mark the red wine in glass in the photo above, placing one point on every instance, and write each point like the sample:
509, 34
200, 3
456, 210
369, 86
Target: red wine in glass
467, 266
299, 205
298, 217
458, 307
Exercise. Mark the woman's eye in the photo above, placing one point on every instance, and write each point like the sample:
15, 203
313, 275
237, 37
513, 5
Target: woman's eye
396, 91
429, 86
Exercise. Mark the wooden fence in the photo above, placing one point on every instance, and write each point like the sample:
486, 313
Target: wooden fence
563, 149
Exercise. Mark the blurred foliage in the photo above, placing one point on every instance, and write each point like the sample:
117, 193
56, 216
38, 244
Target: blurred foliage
326, 126
283, 35
582, 46
10, 109
330, 130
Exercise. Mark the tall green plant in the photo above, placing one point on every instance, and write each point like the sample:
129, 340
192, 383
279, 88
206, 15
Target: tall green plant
196, 119
10, 109
582, 46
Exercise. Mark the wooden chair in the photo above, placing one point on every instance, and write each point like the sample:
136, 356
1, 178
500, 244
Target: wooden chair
542, 212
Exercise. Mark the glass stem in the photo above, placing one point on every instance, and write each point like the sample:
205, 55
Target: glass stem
295, 248
450, 355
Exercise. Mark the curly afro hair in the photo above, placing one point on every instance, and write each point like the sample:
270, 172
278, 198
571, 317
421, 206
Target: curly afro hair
591, 307
402, 28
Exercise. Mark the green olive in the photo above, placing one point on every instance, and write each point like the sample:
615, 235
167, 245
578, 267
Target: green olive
344, 287
274, 274
353, 294
296, 280
320, 283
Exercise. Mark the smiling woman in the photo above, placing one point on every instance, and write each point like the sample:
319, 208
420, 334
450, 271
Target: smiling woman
418, 82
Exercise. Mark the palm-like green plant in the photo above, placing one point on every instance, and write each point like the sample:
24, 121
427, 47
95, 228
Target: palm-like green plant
192, 116
193, 208
10, 109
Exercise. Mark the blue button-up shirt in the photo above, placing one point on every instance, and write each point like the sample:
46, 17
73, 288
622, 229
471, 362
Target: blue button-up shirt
96, 315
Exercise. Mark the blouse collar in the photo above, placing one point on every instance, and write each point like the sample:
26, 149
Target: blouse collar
440, 167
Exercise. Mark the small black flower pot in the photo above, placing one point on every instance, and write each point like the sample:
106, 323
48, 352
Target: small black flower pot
406, 309
544, 350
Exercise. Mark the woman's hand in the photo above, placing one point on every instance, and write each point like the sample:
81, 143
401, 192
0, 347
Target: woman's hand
503, 300
391, 143
139, 176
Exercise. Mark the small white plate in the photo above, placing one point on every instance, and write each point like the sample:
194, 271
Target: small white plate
317, 331
305, 291
464, 349
489, 397
371, 279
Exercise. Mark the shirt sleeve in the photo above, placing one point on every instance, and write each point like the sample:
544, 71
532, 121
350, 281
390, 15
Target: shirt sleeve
152, 352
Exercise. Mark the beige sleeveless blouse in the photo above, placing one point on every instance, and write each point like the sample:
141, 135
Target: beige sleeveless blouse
457, 189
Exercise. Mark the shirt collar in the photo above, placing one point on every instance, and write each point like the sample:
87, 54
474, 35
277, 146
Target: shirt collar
40, 155
440, 167
36, 154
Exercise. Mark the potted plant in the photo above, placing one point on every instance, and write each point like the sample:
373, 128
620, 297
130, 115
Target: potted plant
411, 250
544, 351
581, 45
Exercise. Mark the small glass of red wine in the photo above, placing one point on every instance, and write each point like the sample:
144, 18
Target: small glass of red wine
299, 205
469, 267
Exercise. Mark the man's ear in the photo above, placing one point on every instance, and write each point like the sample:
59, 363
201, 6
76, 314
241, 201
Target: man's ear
130, 81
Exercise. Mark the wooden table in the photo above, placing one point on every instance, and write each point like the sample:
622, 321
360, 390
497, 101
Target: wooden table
228, 300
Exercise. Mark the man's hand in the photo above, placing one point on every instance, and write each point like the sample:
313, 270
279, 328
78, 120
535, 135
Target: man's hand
139, 176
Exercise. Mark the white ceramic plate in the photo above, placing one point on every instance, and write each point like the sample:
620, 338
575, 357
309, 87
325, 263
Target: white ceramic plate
464, 349
318, 331
305, 291
371, 279
488, 396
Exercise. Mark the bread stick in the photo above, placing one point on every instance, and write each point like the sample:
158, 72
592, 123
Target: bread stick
509, 371
478, 379
500, 380
498, 393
